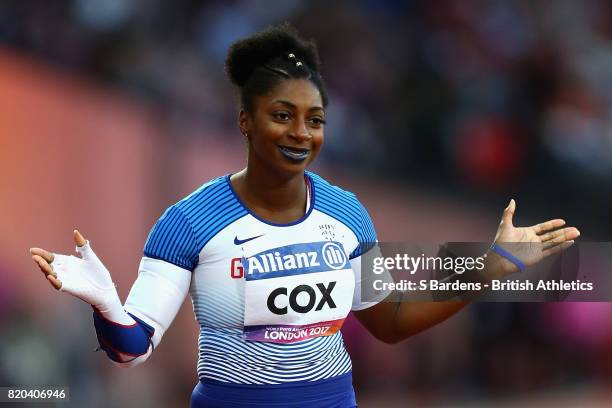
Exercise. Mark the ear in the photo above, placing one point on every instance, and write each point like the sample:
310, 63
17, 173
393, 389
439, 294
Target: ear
243, 122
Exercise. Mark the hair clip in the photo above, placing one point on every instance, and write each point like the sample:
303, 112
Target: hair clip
278, 71
292, 57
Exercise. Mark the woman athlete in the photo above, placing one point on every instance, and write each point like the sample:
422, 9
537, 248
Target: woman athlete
269, 255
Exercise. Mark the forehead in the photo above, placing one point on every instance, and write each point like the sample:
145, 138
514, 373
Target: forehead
299, 92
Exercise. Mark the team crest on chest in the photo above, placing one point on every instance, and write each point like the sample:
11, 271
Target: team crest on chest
327, 231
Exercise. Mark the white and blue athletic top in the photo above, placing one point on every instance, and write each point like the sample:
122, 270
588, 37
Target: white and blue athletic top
269, 298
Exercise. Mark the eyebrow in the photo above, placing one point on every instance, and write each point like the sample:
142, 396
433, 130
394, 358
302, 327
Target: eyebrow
293, 106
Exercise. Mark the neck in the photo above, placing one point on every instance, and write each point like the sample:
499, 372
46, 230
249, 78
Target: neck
272, 191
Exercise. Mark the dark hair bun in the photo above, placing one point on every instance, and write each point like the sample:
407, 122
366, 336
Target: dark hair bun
245, 55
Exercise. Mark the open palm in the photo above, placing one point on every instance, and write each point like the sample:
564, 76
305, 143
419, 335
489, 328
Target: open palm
85, 278
534, 243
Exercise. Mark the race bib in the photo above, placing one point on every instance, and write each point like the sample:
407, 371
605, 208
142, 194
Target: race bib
297, 292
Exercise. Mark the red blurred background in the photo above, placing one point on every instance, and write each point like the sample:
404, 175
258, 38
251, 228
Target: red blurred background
102, 128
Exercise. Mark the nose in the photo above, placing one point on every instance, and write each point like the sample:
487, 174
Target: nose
299, 132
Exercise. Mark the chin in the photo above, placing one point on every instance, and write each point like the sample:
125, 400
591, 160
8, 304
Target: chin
296, 168
291, 166
290, 169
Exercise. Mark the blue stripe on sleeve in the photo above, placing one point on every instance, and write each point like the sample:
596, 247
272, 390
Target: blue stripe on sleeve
172, 239
187, 226
345, 207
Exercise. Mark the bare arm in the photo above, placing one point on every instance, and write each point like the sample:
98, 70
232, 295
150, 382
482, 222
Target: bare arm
392, 320
401, 320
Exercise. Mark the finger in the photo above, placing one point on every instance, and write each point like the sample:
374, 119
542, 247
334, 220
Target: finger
43, 265
569, 232
78, 238
46, 255
548, 225
566, 234
56, 283
509, 213
557, 248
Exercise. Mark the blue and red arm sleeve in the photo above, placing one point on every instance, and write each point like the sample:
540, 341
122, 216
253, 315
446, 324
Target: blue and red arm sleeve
123, 343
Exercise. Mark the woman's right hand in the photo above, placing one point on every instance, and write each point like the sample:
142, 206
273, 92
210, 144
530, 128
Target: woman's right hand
86, 277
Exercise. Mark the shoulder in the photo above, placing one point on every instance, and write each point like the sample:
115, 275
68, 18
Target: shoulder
344, 206
206, 196
205, 203
210, 208
334, 200
186, 226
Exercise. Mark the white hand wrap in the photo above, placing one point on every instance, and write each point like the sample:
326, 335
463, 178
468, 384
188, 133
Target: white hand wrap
155, 298
87, 278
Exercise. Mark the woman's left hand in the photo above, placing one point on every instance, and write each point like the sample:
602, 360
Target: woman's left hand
548, 238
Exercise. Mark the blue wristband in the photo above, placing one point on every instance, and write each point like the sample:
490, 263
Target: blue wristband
502, 252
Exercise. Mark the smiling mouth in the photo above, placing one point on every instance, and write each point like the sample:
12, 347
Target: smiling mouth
294, 153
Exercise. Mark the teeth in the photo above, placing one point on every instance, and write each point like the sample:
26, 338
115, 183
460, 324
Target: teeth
294, 154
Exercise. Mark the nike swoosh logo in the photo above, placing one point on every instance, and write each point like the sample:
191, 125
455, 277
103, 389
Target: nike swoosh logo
242, 241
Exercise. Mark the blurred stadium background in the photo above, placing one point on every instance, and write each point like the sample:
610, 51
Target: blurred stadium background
441, 111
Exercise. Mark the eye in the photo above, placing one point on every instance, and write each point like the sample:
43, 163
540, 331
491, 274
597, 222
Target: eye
281, 116
317, 121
